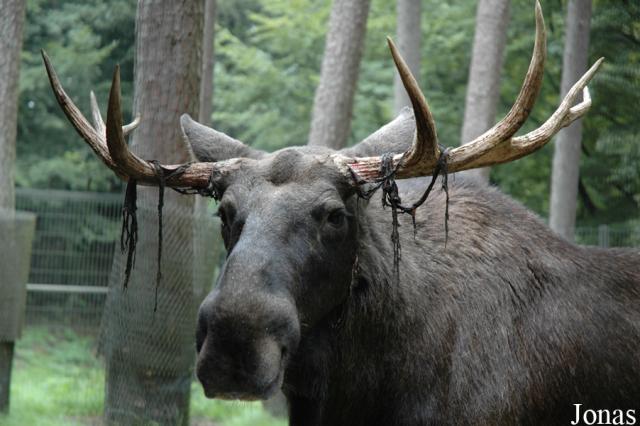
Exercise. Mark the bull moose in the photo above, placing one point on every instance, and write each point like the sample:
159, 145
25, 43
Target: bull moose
500, 321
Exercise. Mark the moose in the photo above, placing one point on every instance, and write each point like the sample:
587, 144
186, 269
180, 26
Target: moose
496, 320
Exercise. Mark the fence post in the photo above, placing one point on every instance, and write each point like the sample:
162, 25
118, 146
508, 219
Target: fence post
603, 235
6, 361
17, 230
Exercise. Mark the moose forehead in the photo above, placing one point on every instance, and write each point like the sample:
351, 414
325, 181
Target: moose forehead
290, 170
284, 190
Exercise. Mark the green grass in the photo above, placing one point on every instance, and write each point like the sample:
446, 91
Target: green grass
58, 381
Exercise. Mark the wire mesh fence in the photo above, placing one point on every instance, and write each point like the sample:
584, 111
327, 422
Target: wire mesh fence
627, 235
148, 329
76, 238
77, 235
72, 253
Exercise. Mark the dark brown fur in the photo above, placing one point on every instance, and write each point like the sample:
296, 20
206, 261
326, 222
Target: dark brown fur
509, 324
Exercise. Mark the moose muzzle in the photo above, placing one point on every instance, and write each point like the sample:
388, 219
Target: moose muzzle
244, 339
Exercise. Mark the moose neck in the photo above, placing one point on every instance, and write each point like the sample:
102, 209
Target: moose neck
369, 332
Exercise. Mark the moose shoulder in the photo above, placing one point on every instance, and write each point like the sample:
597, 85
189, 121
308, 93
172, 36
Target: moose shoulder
498, 321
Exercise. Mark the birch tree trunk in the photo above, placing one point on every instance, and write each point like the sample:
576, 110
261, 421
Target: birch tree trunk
202, 240
408, 33
566, 159
11, 24
208, 50
483, 89
150, 353
333, 102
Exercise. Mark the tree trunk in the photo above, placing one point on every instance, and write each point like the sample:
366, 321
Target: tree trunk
205, 241
566, 158
333, 102
150, 353
208, 243
483, 89
11, 23
408, 33
206, 86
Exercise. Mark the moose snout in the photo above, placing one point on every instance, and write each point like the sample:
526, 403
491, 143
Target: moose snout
243, 347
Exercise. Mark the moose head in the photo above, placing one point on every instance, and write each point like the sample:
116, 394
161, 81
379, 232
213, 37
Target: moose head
291, 220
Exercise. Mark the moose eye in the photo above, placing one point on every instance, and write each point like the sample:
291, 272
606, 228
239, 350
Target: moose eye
226, 213
337, 217
230, 225
223, 217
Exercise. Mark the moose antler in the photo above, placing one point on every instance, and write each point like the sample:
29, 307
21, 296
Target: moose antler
108, 142
497, 145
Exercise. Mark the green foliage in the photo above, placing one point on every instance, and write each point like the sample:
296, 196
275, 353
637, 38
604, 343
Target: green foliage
74, 169
84, 39
58, 380
268, 55
612, 129
610, 171
446, 49
265, 76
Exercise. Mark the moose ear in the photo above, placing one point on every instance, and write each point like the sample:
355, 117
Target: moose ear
395, 136
209, 145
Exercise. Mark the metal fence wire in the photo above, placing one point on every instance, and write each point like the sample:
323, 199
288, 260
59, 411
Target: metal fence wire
150, 353
626, 235
77, 234
76, 239
72, 255
76, 280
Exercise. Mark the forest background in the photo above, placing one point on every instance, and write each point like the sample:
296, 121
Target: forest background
267, 65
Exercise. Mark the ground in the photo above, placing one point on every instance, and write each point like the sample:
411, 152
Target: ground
58, 380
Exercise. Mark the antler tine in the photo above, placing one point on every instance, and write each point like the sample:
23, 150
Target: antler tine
133, 166
108, 141
524, 103
98, 122
128, 128
565, 114
93, 138
425, 144
579, 110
